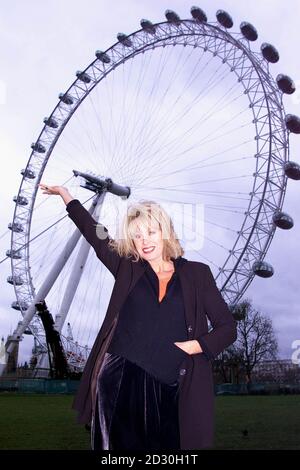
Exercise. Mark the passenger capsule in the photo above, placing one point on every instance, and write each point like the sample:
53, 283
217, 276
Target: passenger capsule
14, 254
172, 17
262, 269
28, 173
103, 57
124, 39
224, 19
20, 200
83, 76
16, 227
283, 220
38, 147
67, 99
292, 170
198, 14
51, 122
248, 31
147, 26
22, 305
269, 52
293, 123
285, 84
15, 280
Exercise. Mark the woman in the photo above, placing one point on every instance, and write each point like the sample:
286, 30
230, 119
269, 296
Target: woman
147, 384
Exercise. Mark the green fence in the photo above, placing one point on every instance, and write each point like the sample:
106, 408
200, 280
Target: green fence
256, 388
39, 385
64, 386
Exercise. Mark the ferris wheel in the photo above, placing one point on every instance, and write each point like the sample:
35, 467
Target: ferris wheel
184, 112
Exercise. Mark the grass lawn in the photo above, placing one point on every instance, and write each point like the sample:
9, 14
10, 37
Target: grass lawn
48, 422
272, 422
40, 421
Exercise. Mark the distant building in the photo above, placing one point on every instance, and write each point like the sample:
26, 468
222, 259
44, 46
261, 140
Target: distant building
280, 371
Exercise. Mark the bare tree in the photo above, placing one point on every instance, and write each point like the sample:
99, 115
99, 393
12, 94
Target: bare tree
256, 341
229, 366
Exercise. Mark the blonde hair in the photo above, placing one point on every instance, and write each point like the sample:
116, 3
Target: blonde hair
144, 213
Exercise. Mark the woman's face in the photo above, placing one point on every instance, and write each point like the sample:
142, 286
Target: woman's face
149, 242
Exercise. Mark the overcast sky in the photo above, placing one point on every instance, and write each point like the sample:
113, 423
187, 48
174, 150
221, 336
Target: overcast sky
44, 43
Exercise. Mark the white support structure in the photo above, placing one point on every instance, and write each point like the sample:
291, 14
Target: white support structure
52, 277
74, 278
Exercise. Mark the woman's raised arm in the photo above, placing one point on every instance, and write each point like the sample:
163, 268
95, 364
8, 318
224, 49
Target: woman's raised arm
95, 233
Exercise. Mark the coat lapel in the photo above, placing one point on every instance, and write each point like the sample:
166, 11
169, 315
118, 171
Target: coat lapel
187, 281
189, 298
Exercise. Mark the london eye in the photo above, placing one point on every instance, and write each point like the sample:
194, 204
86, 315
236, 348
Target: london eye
185, 112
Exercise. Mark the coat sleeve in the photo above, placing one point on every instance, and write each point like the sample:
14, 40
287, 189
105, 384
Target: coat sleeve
91, 230
224, 331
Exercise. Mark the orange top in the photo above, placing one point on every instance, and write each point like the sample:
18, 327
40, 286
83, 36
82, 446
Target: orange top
163, 286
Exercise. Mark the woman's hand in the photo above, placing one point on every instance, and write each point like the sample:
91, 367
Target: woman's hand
56, 190
191, 346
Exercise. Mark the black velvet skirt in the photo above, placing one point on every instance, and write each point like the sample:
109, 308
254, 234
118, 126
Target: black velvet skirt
134, 411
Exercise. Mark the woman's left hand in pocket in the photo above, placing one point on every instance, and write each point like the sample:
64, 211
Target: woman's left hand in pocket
190, 347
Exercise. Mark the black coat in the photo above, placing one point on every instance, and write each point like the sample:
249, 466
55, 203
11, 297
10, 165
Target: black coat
201, 298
